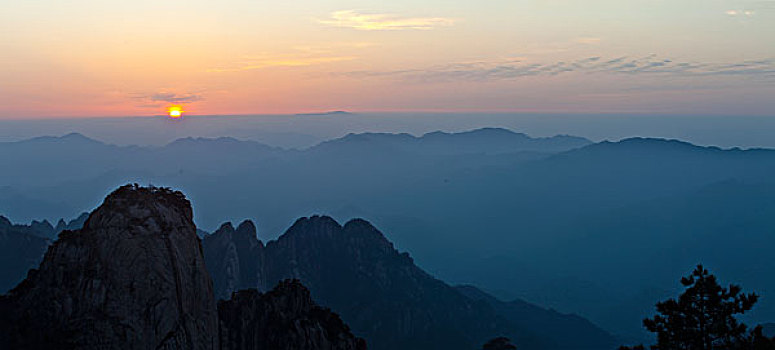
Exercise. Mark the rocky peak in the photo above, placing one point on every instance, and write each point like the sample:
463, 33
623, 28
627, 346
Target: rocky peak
245, 234
4, 222
324, 228
225, 229
314, 226
132, 278
237, 256
155, 208
247, 227
284, 318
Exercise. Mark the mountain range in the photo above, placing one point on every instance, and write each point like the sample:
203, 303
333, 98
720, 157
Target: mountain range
536, 219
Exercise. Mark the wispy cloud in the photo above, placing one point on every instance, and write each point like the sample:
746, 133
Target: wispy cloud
363, 21
161, 98
515, 69
171, 97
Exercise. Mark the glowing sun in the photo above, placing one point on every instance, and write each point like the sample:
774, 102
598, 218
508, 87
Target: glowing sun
175, 112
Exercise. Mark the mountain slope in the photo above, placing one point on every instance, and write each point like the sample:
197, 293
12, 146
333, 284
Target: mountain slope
20, 250
577, 332
380, 292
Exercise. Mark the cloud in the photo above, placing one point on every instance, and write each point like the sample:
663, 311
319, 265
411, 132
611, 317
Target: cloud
361, 21
165, 97
509, 70
172, 97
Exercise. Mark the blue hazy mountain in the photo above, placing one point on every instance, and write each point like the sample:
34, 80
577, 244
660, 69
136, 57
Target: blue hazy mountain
21, 248
560, 222
480, 141
577, 332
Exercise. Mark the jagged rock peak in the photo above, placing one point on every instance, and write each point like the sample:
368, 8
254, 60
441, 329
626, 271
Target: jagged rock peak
226, 227
247, 227
131, 203
325, 226
133, 278
285, 318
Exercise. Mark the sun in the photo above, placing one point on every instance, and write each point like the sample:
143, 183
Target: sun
175, 111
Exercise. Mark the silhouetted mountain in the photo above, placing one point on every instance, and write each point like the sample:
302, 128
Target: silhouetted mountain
20, 250
480, 141
236, 256
134, 278
325, 114
577, 332
285, 318
74, 224
380, 292
22, 246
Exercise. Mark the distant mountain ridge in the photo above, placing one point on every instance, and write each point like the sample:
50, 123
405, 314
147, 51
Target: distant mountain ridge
479, 141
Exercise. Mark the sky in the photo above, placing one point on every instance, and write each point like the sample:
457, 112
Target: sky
83, 58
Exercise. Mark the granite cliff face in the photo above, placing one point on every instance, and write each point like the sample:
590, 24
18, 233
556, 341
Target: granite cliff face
134, 277
285, 318
236, 255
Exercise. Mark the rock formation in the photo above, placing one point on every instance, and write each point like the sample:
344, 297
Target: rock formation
285, 318
382, 294
236, 255
134, 277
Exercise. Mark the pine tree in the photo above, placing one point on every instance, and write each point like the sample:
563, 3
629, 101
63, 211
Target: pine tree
703, 318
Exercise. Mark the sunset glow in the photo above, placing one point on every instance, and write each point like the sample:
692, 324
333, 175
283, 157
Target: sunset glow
175, 112
115, 58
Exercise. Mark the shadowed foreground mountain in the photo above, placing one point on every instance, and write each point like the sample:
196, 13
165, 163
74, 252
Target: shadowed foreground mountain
381, 293
134, 278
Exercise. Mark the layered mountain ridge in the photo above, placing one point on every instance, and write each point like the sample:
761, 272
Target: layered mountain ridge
537, 225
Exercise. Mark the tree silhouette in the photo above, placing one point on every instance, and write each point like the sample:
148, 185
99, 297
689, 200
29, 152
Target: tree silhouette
703, 318
499, 343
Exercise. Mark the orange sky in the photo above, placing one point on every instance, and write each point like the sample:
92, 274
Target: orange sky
111, 58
